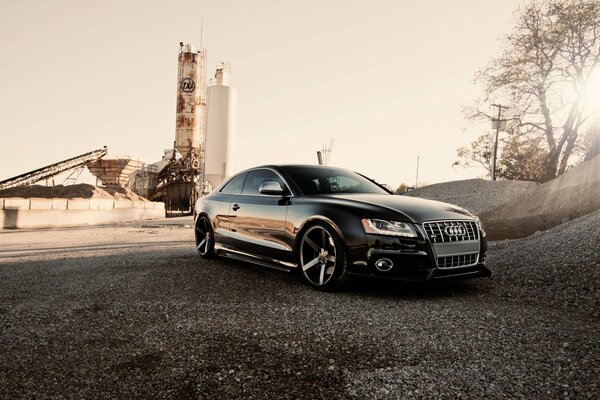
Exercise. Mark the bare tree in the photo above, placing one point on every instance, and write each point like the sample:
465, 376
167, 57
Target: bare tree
478, 154
548, 61
522, 159
521, 156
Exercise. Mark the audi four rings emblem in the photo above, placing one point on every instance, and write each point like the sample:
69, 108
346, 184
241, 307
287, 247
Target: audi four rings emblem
455, 230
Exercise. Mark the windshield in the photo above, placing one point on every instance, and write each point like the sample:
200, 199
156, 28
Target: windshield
327, 180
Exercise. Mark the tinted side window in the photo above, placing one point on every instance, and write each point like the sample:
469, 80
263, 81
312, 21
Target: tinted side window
235, 185
324, 180
257, 177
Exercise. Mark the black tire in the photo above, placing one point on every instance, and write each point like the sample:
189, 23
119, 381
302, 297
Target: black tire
322, 258
205, 240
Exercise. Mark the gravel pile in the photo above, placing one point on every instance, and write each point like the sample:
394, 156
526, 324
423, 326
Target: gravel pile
569, 196
157, 322
516, 209
476, 195
563, 261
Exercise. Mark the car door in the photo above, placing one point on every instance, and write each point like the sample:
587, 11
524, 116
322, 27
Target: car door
257, 222
220, 203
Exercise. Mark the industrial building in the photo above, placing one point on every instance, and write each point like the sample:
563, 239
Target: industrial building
202, 154
220, 128
205, 125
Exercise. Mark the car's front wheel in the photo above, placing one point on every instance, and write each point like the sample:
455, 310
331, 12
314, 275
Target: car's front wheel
205, 242
322, 259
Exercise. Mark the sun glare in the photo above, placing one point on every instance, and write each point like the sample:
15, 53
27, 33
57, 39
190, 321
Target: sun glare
591, 94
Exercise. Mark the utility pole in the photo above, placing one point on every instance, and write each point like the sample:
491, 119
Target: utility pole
320, 157
497, 122
417, 179
324, 154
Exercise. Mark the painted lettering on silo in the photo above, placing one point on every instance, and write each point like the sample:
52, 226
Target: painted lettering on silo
191, 100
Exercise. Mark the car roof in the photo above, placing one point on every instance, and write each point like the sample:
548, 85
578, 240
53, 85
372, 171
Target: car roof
293, 165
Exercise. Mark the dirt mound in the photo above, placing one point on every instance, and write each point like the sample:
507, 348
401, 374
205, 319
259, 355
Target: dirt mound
83, 190
567, 197
476, 195
123, 193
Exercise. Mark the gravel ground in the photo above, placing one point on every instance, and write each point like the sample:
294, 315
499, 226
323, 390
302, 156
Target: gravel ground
132, 312
476, 195
564, 261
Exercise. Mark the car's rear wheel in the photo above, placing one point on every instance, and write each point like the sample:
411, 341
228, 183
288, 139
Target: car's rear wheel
322, 259
205, 242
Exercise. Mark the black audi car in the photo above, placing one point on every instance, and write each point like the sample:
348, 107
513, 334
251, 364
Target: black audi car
330, 224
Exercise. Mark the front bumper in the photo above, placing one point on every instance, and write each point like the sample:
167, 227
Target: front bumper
411, 260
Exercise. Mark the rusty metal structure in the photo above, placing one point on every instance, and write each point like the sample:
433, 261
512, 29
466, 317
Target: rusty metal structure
115, 171
146, 180
52, 170
180, 181
191, 100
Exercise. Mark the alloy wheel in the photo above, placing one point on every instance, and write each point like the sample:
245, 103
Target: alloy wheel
318, 255
204, 237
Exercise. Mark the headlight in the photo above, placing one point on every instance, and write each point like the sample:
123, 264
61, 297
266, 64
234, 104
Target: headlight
479, 225
391, 228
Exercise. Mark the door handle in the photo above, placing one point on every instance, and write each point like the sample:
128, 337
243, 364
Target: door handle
235, 207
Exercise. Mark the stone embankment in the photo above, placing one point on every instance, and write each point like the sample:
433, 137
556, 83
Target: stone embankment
40, 206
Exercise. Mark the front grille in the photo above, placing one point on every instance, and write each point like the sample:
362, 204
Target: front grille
451, 231
457, 261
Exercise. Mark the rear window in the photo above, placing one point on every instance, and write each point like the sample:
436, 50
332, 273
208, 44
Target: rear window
235, 185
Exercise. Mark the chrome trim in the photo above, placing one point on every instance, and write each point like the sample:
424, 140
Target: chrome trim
271, 188
387, 264
458, 256
361, 263
435, 236
457, 248
259, 195
373, 252
455, 230
437, 231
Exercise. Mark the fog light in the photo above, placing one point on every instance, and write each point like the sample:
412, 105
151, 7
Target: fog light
384, 264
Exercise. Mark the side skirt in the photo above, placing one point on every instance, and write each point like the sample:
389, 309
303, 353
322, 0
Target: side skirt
241, 256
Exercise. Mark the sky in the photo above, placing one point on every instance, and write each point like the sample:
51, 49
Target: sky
385, 79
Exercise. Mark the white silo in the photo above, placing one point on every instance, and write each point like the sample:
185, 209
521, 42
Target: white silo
220, 128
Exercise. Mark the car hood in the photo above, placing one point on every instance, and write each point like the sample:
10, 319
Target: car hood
416, 209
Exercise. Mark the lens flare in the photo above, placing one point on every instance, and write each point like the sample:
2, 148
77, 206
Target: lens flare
590, 93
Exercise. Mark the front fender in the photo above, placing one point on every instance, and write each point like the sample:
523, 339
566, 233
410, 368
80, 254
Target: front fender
301, 214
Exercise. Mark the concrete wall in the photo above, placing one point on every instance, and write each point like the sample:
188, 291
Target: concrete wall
44, 213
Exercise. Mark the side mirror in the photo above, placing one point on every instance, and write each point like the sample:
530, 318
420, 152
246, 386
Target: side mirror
271, 188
